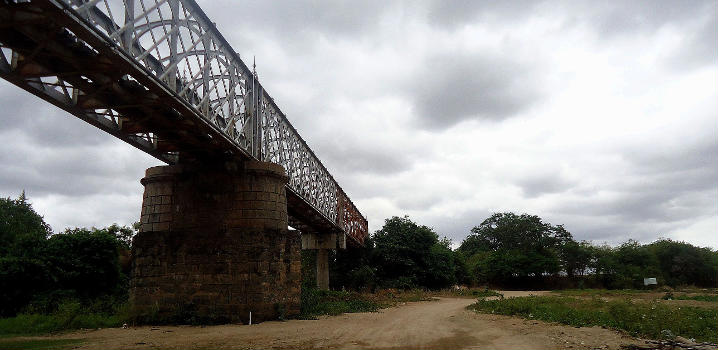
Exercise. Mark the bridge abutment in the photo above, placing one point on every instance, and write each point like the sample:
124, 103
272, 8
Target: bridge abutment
214, 245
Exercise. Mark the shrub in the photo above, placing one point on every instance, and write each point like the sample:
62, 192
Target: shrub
646, 319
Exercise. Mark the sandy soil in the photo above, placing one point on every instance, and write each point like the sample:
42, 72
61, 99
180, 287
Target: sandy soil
443, 324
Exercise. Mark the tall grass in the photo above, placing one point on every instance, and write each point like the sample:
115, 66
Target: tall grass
39, 344
649, 319
69, 315
704, 297
325, 302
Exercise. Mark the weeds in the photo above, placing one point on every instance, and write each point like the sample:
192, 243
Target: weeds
469, 292
598, 292
486, 293
702, 297
39, 344
653, 319
325, 302
70, 314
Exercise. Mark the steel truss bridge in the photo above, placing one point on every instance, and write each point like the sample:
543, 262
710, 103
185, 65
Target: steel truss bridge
158, 75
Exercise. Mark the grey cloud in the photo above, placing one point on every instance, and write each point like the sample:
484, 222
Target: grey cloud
418, 201
691, 166
356, 156
536, 185
459, 225
700, 46
73, 172
454, 87
617, 17
452, 14
601, 230
609, 17
665, 190
655, 200
42, 122
49, 151
294, 19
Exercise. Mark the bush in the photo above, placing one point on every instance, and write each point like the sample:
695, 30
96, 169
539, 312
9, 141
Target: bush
645, 319
316, 302
70, 314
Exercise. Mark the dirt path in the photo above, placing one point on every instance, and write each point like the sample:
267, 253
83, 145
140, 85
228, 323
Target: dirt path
444, 324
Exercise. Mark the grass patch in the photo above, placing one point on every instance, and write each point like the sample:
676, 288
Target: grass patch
39, 344
470, 292
326, 302
599, 292
486, 293
711, 298
653, 320
70, 315
392, 297
322, 302
701, 297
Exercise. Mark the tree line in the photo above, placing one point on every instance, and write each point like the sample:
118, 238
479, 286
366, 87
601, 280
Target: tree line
516, 251
40, 270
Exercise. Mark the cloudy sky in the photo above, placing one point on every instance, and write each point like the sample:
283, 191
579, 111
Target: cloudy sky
599, 115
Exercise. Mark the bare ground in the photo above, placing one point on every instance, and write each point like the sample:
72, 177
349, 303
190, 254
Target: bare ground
443, 324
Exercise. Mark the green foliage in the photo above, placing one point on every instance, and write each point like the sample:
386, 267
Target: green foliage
408, 255
652, 319
39, 272
402, 254
507, 247
70, 314
702, 297
576, 257
474, 293
316, 302
21, 278
523, 251
40, 344
673, 263
21, 228
354, 269
401, 248
680, 263
85, 261
598, 292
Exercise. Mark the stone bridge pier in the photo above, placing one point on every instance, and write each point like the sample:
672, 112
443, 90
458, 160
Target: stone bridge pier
214, 245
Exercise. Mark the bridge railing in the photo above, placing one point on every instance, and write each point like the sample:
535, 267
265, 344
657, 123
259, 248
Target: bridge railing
176, 43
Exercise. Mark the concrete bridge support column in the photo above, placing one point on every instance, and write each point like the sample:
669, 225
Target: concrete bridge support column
323, 269
322, 243
214, 245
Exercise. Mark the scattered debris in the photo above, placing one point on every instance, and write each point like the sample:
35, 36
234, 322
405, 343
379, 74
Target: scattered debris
671, 345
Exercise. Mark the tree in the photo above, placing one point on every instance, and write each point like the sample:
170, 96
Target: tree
85, 261
22, 271
123, 234
515, 247
440, 266
681, 263
21, 228
409, 255
576, 257
38, 270
353, 268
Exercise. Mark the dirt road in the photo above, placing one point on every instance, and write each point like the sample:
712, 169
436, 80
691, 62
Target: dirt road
441, 324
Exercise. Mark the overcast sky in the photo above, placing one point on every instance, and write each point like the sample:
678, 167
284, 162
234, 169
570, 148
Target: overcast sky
599, 115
